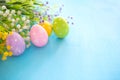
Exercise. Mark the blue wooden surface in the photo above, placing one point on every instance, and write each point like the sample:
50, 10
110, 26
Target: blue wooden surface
91, 51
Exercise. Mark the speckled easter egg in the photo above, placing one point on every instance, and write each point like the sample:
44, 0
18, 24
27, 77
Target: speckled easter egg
16, 42
60, 27
47, 26
38, 35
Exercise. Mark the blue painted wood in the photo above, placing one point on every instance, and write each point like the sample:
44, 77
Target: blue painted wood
91, 51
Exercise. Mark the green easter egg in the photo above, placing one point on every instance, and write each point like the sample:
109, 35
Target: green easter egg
60, 27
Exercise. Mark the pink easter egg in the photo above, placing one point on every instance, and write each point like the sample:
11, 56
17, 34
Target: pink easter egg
38, 36
16, 42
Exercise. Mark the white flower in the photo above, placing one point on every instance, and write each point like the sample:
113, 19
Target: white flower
27, 38
10, 15
13, 12
4, 7
7, 11
19, 12
5, 25
17, 19
5, 15
12, 24
13, 30
28, 45
27, 21
23, 18
7, 0
28, 26
9, 18
18, 26
25, 27
13, 20
20, 30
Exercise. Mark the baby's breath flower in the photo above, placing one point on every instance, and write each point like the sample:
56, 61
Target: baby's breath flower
27, 21
7, 11
17, 19
18, 26
9, 18
23, 18
10, 15
12, 24
28, 45
13, 20
12, 11
20, 30
5, 15
5, 25
4, 7
25, 27
27, 38
19, 12
13, 30
7, 1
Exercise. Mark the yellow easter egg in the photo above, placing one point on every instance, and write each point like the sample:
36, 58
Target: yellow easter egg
47, 26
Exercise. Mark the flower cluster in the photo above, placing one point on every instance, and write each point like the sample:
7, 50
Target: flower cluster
16, 16
20, 15
5, 50
12, 21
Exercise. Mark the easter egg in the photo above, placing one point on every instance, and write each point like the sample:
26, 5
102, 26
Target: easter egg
38, 36
16, 42
47, 26
60, 27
